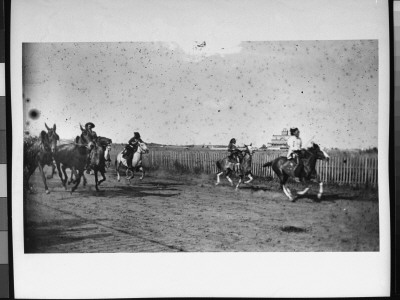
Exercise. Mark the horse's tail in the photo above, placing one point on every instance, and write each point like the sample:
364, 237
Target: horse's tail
268, 164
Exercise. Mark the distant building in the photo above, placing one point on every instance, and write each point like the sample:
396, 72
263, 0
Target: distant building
279, 141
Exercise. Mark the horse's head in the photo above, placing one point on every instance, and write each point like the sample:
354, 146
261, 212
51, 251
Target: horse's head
142, 148
318, 152
250, 149
52, 137
45, 141
103, 141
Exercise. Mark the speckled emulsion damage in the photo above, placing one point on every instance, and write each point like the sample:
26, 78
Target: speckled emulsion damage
206, 95
186, 100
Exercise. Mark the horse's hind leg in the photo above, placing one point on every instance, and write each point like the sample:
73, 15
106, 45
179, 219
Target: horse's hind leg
218, 175
77, 180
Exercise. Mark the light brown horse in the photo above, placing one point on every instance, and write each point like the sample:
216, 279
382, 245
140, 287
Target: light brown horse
227, 167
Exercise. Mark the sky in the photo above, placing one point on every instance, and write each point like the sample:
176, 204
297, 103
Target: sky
181, 93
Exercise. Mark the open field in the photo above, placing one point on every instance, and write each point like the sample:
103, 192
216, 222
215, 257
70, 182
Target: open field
177, 211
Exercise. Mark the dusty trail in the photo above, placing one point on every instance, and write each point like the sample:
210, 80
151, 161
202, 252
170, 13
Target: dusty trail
168, 213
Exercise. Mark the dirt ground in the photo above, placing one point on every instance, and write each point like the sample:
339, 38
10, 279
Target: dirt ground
180, 212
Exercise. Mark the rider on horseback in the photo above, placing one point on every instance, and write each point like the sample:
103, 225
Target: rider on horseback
294, 142
93, 134
234, 153
131, 148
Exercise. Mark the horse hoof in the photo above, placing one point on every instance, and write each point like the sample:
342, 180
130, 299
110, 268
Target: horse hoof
47, 192
319, 196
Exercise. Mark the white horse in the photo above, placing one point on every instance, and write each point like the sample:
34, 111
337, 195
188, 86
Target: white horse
136, 162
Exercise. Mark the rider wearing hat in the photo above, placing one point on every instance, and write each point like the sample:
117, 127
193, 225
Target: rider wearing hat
93, 134
295, 143
234, 153
131, 148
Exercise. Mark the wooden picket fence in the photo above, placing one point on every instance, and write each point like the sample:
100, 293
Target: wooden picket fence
350, 170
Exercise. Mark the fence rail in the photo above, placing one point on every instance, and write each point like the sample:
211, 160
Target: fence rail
341, 169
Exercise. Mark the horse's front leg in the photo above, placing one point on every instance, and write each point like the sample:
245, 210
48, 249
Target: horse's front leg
96, 180
240, 181
142, 171
229, 179
287, 192
321, 189
303, 192
104, 177
250, 179
43, 177
117, 170
84, 179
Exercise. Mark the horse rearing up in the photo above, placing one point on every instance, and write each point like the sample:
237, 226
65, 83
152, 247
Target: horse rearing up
39, 152
136, 161
226, 166
283, 168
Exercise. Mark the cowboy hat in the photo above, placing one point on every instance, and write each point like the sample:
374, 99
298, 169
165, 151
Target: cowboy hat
89, 123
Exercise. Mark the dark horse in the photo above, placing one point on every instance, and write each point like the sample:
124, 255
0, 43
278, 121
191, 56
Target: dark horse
75, 157
284, 168
226, 166
98, 159
38, 152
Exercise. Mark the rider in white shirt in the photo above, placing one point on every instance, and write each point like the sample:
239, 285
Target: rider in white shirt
294, 142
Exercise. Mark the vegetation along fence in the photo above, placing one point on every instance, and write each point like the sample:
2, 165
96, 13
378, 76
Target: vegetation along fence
351, 169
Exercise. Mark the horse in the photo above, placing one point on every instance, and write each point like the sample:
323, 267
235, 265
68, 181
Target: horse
98, 160
284, 168
72, 156
136, 161
38, 152
75, 157
84, 139
226, 166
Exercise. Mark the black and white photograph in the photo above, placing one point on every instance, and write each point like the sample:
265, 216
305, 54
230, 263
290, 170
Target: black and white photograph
154, 147
215, 135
